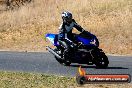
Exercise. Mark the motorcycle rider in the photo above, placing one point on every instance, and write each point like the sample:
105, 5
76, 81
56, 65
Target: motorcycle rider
66, 37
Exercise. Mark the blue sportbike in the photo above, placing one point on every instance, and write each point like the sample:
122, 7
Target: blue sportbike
85, 50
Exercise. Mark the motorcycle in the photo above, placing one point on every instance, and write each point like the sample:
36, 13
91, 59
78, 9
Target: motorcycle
85, 51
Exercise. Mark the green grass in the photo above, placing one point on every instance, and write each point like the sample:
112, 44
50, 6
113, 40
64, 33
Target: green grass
33, 80
40, 80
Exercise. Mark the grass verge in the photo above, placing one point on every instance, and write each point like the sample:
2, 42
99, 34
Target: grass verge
38, 80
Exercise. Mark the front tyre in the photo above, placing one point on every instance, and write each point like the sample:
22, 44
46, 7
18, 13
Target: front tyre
101, 61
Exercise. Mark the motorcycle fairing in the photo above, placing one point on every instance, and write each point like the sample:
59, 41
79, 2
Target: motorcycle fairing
85, 41
53, 38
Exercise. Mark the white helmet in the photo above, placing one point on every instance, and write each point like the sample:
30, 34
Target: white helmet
67, 16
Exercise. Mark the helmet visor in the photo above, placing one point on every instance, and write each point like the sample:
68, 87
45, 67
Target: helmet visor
68, 19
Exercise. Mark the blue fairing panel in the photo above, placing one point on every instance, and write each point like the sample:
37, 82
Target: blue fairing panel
85, 41
52, 38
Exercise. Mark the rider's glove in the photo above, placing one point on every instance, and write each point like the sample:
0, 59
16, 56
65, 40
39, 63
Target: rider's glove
87, 34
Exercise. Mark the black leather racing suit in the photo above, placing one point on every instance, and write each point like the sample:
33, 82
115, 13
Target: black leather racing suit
65, 31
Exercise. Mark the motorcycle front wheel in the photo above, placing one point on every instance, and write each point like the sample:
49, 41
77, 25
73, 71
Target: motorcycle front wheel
101, 61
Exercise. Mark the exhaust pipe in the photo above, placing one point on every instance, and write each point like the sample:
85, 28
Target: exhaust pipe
53, 52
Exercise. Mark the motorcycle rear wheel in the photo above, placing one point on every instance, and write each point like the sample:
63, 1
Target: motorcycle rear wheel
59, 60
67, 63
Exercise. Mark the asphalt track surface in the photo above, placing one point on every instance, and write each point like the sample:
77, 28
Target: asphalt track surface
41, 62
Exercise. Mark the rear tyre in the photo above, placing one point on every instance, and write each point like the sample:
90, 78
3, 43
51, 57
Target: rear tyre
58, 52
67, 63
66, 58
64, 62
59, 60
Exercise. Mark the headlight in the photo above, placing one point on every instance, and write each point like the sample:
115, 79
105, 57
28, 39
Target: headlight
93, 42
